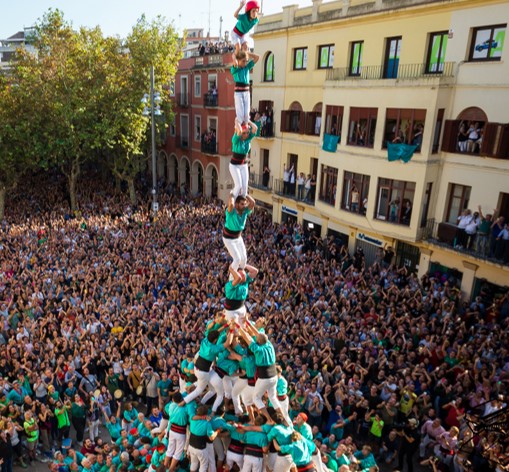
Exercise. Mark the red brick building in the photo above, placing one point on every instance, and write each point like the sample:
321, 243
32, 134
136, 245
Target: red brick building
198, 144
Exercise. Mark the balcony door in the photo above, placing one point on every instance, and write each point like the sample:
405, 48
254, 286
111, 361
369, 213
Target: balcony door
392, 52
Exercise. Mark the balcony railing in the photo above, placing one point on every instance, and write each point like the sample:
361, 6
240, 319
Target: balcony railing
260, 181
182, 141
405, 71
267, 130
446, 235
209, 147
183, 100
210, 100
292, 191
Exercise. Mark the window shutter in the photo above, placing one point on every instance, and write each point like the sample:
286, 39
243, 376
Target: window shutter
490, 139
503, 149
285, 120
310, 122
450, 136
302, 122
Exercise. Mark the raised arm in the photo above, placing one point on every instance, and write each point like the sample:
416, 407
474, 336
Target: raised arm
237, 11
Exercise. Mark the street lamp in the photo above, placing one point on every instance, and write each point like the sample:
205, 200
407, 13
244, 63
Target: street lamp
153, 109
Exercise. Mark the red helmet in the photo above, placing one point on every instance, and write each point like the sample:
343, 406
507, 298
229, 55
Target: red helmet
252, 4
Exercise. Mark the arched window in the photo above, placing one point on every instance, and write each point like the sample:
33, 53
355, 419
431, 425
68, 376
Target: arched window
268, 68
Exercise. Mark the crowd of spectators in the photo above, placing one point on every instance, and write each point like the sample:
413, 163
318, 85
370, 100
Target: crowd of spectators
383, 365
486, 234
264, 121
217, 47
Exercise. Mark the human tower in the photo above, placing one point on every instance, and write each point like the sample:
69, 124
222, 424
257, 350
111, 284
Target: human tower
236, 362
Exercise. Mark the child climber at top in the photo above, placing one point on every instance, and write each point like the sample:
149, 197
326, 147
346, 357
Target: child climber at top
245, 23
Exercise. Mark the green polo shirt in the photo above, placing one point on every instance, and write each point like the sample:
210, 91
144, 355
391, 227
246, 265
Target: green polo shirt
264, 354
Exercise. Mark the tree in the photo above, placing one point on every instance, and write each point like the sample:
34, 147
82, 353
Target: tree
149, 43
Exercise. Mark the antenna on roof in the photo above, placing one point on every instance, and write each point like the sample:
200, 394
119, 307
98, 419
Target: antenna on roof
209, 20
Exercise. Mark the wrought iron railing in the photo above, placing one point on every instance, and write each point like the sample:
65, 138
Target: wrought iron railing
260, 181
404, 71
183, 100
292, 191
210, 100
209, 148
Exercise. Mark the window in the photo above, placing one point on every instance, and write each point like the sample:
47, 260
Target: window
197, 86
356, 58
395, 200
333, 120
438, 130
458, 198
300, 58
184, 131
314, 121
197, 128
392, 52
266, 110
355, 192
487, 43
361, 129
328, 185
436, 52
173, 130
465, 136
268, 68
325, 56
172, 88
425, 204
293, 120
404, 125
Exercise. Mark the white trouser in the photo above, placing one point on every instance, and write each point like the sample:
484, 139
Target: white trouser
316, 459
212, 457
228, 386
270, 460
93, 429
269, 386
202, 381
284, 408
237, 250
248, 396
283, 463
252, 464
238, 315
237, 39
199, 459
176, 443
240, 176
216, 383
238, 390
242, 106
219, 448
234, 458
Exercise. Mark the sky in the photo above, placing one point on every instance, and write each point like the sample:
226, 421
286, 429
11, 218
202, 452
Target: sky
116, 17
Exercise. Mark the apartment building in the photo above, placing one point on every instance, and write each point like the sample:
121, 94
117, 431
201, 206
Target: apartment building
399, 108
199, 141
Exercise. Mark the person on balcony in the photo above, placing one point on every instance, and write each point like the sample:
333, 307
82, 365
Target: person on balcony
461, 236
301, 181
482, 240
241, 146
243, 62
266, 177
